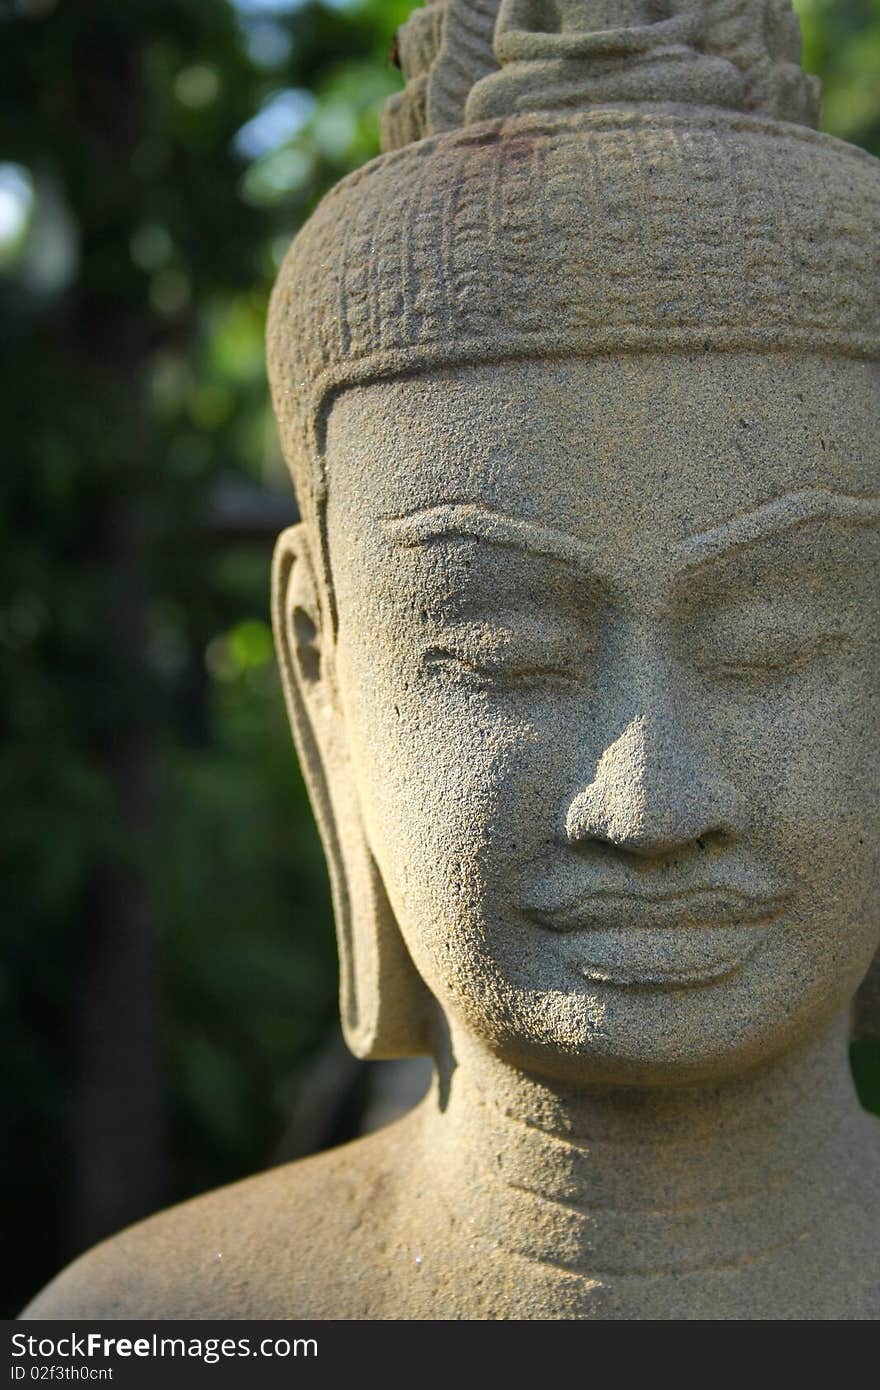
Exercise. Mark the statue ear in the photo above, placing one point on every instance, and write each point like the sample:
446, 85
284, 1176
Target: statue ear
385, 1006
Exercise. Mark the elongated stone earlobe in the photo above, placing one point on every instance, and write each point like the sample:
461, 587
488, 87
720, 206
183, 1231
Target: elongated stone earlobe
384, 1005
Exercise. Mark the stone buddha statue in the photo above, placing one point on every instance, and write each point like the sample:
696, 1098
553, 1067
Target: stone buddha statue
580, 633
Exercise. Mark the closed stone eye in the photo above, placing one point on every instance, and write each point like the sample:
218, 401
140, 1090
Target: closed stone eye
775, 657
499, 666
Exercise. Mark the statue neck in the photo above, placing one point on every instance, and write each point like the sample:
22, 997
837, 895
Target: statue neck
622, 1184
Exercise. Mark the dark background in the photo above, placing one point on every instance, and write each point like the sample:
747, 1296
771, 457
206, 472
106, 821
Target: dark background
167, 991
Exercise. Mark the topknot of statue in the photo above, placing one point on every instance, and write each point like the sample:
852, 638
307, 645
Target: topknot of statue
468, 61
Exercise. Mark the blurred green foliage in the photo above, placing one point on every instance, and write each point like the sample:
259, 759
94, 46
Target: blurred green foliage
842, 45
156, 157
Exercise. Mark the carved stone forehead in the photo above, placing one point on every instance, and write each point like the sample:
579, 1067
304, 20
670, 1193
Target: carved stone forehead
654, 445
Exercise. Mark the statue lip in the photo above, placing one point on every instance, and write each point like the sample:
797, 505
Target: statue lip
646, 940
707, 907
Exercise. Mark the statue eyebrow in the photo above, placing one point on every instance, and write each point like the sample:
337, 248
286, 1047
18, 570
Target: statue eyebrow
475, 521
787, 513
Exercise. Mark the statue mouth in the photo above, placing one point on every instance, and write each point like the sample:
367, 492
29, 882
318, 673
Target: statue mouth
644, 939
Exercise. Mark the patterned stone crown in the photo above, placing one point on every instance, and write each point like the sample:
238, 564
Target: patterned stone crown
554, 187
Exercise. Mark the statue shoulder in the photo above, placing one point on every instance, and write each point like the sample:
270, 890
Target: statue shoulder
305, 1240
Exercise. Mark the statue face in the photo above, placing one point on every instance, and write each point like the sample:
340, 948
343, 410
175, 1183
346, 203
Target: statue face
607, 664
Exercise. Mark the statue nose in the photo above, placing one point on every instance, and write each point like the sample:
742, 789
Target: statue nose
652, 794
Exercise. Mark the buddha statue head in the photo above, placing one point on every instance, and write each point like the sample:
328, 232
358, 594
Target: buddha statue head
580, 630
